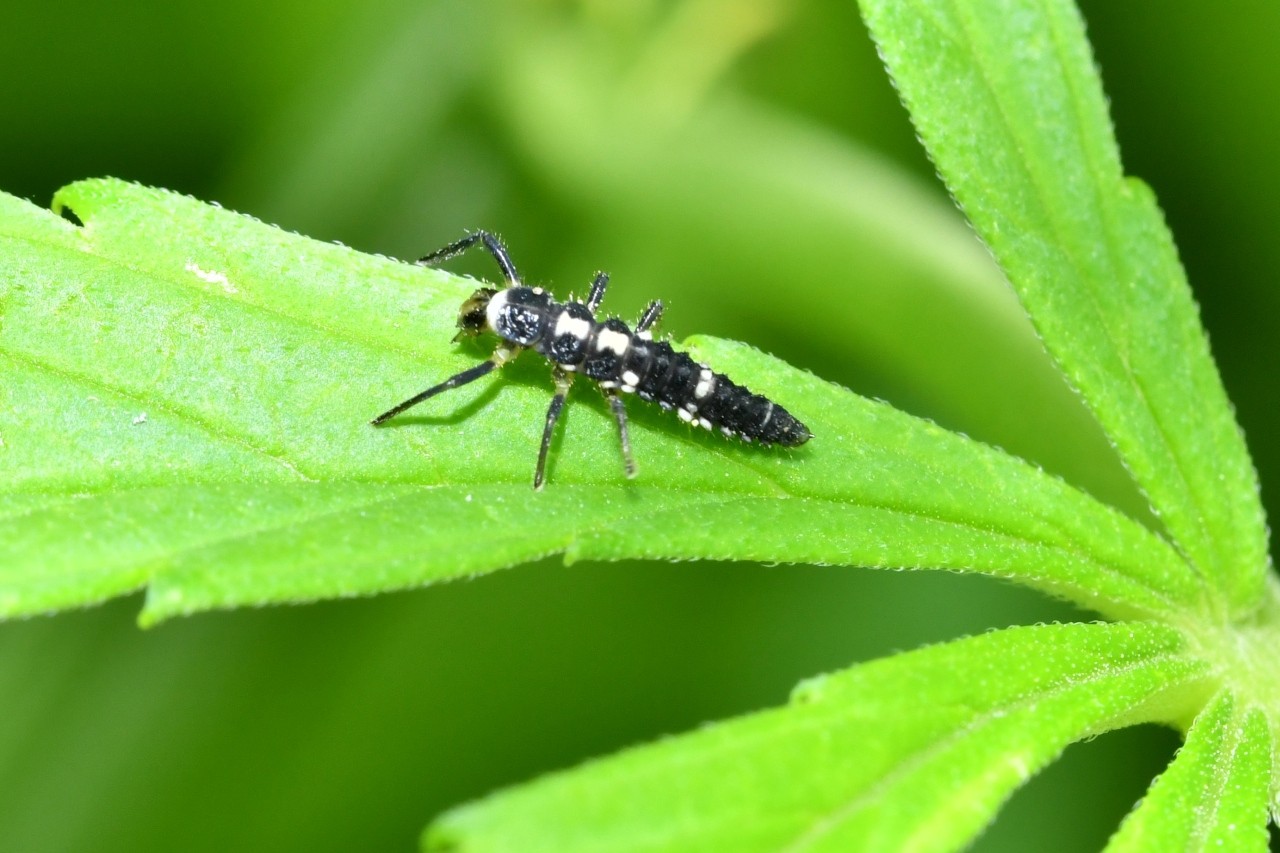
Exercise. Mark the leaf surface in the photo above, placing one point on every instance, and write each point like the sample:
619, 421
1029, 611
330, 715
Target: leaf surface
914, 752
1214, 794
1006, 97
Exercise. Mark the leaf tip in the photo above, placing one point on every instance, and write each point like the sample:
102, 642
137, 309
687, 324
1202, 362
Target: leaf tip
809, 691
440, 838
161, 605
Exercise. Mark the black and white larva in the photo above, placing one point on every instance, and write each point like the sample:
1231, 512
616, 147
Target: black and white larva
617, 358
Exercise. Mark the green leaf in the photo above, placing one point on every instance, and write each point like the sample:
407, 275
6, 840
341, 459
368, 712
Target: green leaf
914, 752
1007, 100
1214, 795
186, 395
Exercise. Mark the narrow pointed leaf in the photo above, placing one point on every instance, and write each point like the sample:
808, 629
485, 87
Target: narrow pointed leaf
1005, 95
1214, 794
185, 405
914, 752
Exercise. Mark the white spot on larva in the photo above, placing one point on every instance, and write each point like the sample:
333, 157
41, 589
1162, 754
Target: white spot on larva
630, 377
539, 291
706, 381
608, 339
608, 383
628, 389
727, 431
704, 423
684, 416
569, 367
566, 324
646, 335
691, 406
497, 305
211, 276
140, 418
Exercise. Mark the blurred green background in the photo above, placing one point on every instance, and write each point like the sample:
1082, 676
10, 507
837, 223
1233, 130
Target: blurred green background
747, 161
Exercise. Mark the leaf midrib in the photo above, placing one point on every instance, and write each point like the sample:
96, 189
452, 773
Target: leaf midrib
1220, 776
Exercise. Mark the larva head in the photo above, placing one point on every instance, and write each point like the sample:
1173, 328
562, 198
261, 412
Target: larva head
472, 319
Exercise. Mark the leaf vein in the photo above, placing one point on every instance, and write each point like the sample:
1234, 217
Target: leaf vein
214, 431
